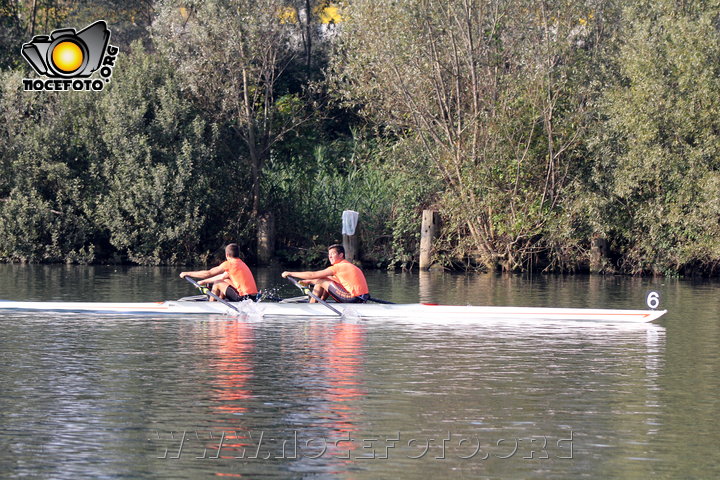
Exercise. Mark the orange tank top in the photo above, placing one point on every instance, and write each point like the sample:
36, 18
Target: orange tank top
240, 276
350, 277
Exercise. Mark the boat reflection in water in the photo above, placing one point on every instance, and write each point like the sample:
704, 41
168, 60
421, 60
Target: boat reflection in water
233, 364
286, 393
331, 363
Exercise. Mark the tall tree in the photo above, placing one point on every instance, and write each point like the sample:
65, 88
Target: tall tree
233, 54
491, 92
660, 165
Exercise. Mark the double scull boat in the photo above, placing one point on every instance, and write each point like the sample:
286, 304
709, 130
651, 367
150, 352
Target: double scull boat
418, 311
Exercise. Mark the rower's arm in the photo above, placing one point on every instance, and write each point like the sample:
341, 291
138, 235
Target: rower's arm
203, 273
214, 279
309, 275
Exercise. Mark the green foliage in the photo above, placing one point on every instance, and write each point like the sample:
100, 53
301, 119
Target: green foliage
47, 176
36, 232
129, 20
10, 32
663, 182
125, 168
537, 129
490, 92
234, 55
311, 192
416, 187
156, 173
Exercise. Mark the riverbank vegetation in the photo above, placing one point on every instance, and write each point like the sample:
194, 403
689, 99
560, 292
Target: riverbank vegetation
550, 136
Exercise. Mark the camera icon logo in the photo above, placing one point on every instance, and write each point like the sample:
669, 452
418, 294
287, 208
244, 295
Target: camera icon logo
67, 53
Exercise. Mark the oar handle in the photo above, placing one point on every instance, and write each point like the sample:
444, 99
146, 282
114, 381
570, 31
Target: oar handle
210, 293
320, 300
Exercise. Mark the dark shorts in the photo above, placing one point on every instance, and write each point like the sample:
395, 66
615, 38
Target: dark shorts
343, 296
232, 295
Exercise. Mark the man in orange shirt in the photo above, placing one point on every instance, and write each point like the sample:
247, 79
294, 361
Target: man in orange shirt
342, 280
232, 279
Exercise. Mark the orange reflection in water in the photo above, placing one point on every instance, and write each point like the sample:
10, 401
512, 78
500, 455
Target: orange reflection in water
233, 369
334, 357
232, 365
341, 346
345, 359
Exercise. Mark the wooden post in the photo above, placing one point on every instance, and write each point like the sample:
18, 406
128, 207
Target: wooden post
349, 234
598, 253
266, 239
350, 243
425, 289
428, 230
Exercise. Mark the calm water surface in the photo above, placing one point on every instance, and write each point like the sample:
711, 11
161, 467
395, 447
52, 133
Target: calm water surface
89, 396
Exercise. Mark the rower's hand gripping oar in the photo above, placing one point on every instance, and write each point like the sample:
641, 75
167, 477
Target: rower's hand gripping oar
309, 292
208, 292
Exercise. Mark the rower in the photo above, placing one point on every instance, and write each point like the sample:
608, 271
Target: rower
342, 280
231, 280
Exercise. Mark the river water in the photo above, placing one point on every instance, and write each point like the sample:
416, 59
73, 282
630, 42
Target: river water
111, 396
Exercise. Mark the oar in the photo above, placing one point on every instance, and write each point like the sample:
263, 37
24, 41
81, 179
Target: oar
209, 292
320, 300
377, 300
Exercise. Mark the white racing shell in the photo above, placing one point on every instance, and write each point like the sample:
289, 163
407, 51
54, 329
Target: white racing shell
445, 313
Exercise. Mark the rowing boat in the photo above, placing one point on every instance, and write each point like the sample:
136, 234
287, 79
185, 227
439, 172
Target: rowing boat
411, 311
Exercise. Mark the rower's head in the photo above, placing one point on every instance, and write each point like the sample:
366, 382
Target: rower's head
336, 253
232, 251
